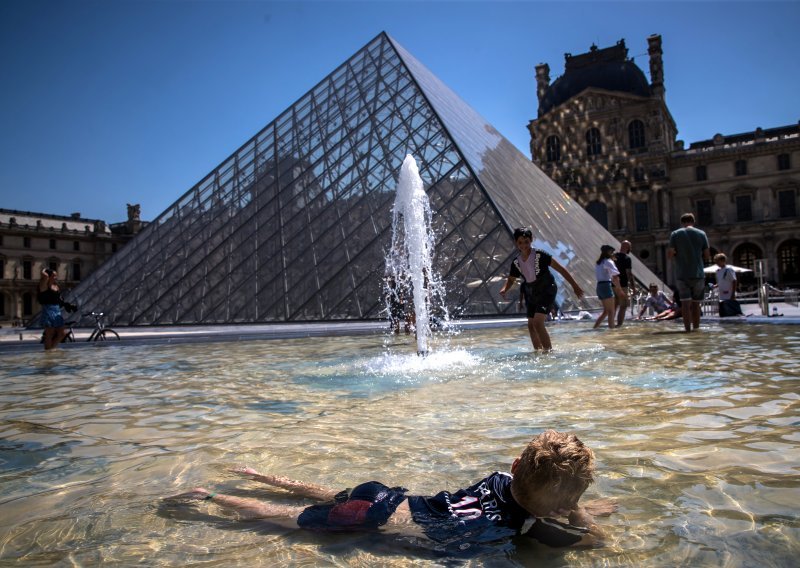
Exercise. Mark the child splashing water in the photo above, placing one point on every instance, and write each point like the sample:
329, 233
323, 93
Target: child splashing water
539, 286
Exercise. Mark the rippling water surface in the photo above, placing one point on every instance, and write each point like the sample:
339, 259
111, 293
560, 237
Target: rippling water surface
696, 437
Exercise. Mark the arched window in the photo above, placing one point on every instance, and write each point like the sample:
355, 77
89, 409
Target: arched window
636, 134
789, 262
599, 211
553, 149
745, 255
593, 144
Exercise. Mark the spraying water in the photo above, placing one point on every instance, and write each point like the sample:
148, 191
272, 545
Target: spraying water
409, 261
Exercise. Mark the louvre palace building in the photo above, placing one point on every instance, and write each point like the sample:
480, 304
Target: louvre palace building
73, 246
604, 133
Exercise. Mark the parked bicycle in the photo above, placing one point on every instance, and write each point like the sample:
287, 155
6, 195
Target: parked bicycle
99, 333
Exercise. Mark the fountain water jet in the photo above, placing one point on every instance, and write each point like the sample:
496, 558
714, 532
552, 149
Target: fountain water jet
409, 261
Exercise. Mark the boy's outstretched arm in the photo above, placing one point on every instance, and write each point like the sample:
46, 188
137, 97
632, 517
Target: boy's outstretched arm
507, 286
298, 488
555, 265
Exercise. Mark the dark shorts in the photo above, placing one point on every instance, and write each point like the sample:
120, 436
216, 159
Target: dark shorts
691, 289
604, 290
539, 299
397, 310
367, 506
51, 316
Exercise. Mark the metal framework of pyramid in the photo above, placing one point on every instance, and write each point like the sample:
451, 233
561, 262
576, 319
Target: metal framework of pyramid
295, 225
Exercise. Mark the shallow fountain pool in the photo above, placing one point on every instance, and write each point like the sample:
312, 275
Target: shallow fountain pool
696, 437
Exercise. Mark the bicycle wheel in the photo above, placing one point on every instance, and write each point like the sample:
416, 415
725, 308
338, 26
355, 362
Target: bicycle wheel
104, 334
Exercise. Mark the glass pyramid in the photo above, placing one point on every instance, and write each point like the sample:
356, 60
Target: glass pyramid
295, 225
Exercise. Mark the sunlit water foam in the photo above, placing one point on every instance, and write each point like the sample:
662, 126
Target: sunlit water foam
397, 363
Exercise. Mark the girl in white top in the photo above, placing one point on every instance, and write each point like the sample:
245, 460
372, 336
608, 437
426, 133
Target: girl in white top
607, 284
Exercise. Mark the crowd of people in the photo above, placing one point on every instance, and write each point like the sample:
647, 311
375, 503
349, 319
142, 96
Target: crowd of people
688, 250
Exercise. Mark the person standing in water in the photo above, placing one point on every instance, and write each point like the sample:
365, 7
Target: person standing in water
49, 297
689, 250
538, 287
626, 280
607, 285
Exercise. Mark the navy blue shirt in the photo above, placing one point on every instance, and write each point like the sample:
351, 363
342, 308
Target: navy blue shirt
483, 513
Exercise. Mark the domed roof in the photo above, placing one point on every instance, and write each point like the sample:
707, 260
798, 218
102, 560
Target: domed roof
608, 69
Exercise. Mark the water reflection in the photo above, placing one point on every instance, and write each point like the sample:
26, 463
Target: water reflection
696, 437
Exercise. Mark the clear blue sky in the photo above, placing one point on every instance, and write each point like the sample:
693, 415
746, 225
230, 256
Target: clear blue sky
110, 102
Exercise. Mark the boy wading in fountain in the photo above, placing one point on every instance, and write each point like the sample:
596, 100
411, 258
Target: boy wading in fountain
539, 286
545, 484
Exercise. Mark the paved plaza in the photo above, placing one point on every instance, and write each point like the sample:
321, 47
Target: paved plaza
22, 339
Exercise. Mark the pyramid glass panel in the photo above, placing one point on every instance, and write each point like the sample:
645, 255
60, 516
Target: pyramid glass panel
295, 225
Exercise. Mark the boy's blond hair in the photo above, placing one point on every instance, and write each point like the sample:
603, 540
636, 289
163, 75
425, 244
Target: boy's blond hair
720, 256
556, 463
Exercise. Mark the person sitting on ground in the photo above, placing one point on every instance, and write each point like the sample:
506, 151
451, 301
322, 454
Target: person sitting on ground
657, 301
544, 485
674, 311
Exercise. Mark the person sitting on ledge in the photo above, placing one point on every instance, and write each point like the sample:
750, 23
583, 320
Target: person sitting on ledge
535, 500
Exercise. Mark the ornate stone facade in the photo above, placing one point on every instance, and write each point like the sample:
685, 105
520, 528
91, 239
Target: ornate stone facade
606, 136
74, 246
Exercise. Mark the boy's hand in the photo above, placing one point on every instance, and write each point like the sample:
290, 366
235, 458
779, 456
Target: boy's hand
601, 507
580, 517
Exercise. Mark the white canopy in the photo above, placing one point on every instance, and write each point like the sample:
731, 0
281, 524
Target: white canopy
713, 269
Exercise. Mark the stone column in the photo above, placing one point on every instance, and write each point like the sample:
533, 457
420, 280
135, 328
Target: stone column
656, 65
771, 254
663, 205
